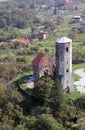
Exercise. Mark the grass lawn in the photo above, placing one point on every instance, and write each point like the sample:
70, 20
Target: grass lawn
75, 67
76, 77
75, 95
21, 76
81, 5
24, 32
78, 66
77, 44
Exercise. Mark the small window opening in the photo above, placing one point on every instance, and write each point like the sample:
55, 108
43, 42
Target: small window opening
67, 70
67, 49
46, 72
67, 90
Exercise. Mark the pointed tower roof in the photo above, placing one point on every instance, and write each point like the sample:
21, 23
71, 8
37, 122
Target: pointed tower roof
63, 40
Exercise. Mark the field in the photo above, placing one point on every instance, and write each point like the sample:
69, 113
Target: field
74, 95
23, 55
78, 66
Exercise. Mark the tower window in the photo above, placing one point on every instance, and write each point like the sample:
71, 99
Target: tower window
46, 73
67, 49
67, 70
67, 90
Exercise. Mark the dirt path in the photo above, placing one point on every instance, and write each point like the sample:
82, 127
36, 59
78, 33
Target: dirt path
81, 83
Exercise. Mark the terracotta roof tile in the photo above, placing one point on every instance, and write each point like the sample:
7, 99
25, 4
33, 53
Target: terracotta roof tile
39, 57
37, 60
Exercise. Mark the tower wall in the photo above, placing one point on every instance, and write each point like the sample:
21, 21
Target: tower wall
64, 64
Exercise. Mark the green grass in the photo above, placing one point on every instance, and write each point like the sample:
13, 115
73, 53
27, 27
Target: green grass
81, 5
21, 76
76, 77
24, 32
75, 44
75, 95
3, 55
78, 66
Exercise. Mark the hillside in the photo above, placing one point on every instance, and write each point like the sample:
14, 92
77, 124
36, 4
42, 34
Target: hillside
46, 107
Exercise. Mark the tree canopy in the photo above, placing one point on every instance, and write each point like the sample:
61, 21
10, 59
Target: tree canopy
43, 88
57, 96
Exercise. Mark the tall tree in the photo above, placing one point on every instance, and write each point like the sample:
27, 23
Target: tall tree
57, 96
47, 122
2, 92
43, 88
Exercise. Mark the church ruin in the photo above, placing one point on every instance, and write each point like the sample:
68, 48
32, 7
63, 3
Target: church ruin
44, 65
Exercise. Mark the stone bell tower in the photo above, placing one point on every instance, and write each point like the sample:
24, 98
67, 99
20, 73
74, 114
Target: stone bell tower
64, 63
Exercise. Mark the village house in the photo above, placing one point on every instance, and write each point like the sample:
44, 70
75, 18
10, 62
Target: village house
24, 40
77, 18
2, 43
43, 6
41, 35
42, 65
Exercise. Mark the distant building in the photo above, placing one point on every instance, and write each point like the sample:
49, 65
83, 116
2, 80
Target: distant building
2, 43
23, 40
41, 35
42, 65
43, 6
77, 18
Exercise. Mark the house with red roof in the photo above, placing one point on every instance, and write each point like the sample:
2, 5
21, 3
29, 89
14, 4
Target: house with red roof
23, 40
43, 65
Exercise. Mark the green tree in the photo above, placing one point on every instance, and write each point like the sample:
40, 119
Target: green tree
2, 92
43, 88
57, 96
30, 122
47, 122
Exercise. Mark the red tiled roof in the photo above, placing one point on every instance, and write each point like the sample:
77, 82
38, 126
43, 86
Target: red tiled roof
39, 57
21, 40
1, 43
